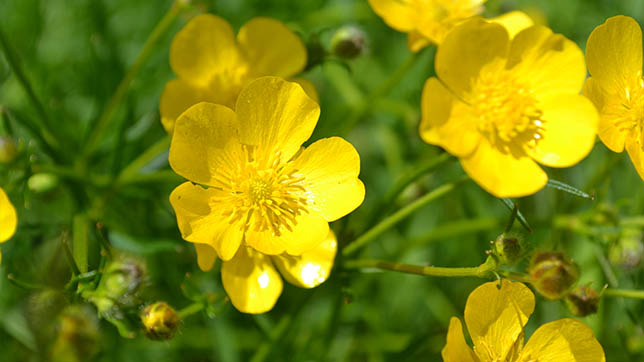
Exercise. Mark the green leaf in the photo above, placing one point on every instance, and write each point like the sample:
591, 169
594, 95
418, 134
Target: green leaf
569, 189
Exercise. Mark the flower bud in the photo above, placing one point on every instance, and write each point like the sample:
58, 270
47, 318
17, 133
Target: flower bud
160, 321
8, 150
78, 335
508, 248
119, 285
348, 42
629, 249
583, 301
553, 274
42, 182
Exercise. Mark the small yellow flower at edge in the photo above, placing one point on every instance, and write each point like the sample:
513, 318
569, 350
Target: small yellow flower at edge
495, 318
8, 219
616, 86
266, 194
429, 21
501, 105
213, 65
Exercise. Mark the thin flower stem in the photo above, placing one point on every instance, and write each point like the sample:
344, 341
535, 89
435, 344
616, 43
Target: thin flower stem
264, 349
625, 293
399, 215
22, 284
117, 98
131, 170
482, 271
191, 309
80, 242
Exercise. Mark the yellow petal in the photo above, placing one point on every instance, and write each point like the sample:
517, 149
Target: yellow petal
276, 116
200, 221
502, 174
514, 22
549, 62
397, 14
309, 231
200, 136
206, 256
204, 47
564, 340
466, 49
610, 135
456, 349
308, 87
635, 149
330, 167
271, 48
446, 121
311, 268
8, 217
614, 52
251, 281
416, 41
177, 96
569, 131
495, 317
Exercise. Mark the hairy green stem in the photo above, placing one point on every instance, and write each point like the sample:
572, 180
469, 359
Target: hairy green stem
482, 271
190, 310
625, 293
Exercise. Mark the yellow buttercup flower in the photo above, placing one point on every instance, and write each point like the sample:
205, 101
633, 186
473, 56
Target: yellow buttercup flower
501, 105
428, 21
213, 65
8, 219
616, 86
495, 318
265, 192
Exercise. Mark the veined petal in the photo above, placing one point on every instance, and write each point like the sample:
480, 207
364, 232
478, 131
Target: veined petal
205, 46
397, 14
199, 220
308, 232
514, 22
466, 49
456, 349
502, 174
614, 52
206, 256
495, 317
416, 41
251, 281
200, 136
308, 87
564, 340
635, 150
276, 116
446, 121
569, 131
608, 132
271, 48
177, 96
330, 167
312, 267
8, 217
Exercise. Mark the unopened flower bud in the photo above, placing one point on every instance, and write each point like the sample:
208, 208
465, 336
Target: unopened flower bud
119, 285
42, 182
78, 335
8, 150
629, 249
508, 248
583, 301
348, 42
553, 274
160, 321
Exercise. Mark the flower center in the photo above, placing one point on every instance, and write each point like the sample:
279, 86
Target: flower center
507, 111
629, 114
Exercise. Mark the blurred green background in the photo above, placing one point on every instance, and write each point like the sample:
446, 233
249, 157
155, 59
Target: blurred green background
75, 53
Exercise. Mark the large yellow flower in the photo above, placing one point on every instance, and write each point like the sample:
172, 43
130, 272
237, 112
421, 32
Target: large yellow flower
213, 65
495, 318
616, 86
265, 191
8, 218
500, 105
429, 21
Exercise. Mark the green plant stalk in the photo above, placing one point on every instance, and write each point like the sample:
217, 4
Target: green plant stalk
190, 310
399, 215
131, 170
625, 293
80, 243
117, 98
265, 348
484, 270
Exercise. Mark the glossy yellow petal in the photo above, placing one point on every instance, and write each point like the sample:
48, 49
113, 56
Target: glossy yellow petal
503, 174
446, 121
610, 134
466, 49
251, 281
417, 41
204, 47
456, 349
397, 14
8, 217
276, 116
330, 167
514, 22
564, 340
177, 96
311, 268
549, 63
495, 317
206, 256
199, 219
271, 48
635, 149
614, 52
200, 138
569, 131
309, 231
309, 88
